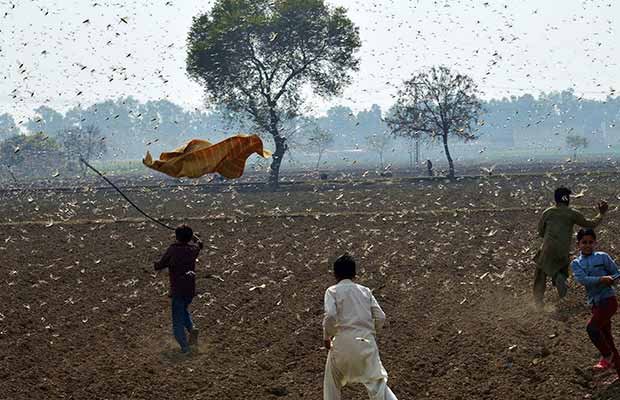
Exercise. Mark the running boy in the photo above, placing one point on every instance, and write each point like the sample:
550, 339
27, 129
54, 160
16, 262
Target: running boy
556, 228
352, 319
180, 259
595, 270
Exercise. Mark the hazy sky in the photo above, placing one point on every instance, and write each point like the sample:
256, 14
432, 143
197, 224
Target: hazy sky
50, 55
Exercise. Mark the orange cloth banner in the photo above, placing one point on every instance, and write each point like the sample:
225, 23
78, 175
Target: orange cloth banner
200, 157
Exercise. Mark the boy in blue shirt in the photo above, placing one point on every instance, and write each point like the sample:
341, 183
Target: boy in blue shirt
596, 271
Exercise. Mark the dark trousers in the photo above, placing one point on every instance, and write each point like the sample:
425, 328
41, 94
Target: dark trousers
540, 284
599, 328
181, 320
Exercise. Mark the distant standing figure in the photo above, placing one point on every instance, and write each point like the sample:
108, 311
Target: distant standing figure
429, 167
556, 228
180, 259
352, 319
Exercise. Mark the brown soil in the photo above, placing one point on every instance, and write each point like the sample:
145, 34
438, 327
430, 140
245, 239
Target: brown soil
83, 315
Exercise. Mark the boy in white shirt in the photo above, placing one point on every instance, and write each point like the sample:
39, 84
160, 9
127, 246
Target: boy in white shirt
352, 319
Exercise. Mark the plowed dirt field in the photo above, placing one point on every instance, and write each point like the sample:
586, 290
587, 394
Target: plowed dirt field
84, 316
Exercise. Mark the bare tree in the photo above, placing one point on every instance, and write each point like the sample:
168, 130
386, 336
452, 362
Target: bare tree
318, 140
437, 104
86, 142
379, 143
575, 142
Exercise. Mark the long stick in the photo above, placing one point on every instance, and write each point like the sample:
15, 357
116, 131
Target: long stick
125, 197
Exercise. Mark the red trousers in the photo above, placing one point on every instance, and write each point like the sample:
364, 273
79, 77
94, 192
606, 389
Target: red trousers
599, 329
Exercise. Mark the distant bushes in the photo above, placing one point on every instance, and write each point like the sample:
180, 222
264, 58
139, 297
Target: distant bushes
39, 155
31, 155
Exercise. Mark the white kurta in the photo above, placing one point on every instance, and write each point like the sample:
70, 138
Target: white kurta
352, 319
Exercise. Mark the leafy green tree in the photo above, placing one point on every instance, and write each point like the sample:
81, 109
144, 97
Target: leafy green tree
254, 57
29, 154
439, 104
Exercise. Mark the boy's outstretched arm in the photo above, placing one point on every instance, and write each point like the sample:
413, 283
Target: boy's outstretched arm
580, 220
581, 276
377, 313
198, 242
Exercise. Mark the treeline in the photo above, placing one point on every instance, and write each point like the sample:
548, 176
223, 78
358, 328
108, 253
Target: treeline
128, 127
547, 121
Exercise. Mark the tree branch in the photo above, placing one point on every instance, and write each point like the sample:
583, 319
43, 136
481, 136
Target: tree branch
295, 73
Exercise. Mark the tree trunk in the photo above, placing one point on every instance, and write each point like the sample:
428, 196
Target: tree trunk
410, 161
280, 142
417, 152
278, 155
448, 156
410, 155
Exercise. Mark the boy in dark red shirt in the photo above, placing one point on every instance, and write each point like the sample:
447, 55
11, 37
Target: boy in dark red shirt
180, 259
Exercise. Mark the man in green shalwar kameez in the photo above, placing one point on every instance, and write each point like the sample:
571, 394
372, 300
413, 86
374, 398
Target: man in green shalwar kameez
556, 228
